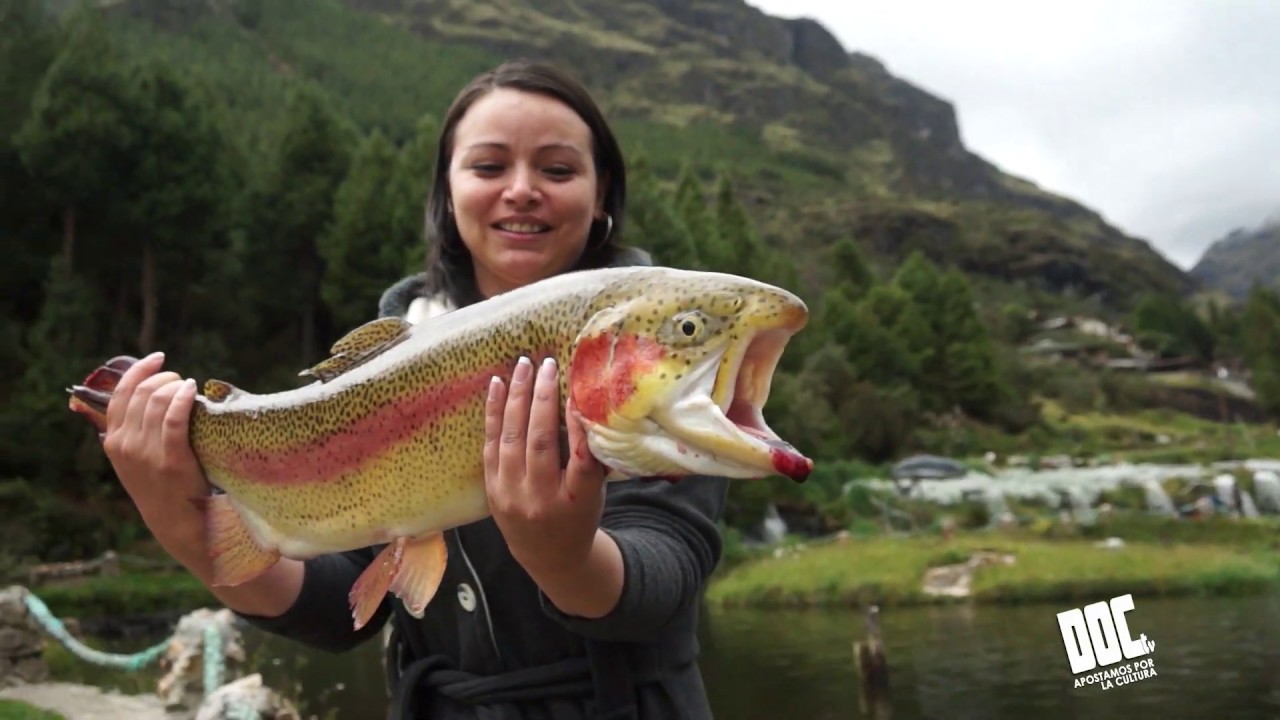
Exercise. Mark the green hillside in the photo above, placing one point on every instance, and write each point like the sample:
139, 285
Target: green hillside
235, 182
819, 139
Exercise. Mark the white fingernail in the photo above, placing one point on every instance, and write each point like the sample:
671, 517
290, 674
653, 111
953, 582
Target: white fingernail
549, 363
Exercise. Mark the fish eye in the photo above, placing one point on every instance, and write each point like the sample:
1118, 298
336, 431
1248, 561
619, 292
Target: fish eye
688, 327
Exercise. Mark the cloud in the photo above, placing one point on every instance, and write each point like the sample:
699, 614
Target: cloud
1162, 116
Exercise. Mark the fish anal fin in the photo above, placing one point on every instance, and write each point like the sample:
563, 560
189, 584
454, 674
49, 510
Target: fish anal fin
421, 569
237, 556
371, 587
219, 390
358, 346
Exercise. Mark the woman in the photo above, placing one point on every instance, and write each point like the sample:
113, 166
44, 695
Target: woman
573, 600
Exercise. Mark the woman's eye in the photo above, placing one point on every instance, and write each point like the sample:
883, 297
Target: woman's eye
487, 168
559, 171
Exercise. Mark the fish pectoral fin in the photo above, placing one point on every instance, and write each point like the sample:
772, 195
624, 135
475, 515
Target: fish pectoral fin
237, 556
358, 346
421, 570
371, 587
412, 568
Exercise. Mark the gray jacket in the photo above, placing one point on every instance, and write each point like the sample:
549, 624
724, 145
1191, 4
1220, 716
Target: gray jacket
492, 647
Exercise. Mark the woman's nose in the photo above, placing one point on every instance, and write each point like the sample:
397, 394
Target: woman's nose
523, 188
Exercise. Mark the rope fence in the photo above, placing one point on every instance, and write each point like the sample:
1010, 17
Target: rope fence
131, 662
210, 629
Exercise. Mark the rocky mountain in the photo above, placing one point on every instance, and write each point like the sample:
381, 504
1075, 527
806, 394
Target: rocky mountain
1243, 258
824, 143
887, 156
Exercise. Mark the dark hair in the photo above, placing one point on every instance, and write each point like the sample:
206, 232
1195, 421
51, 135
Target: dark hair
449, 264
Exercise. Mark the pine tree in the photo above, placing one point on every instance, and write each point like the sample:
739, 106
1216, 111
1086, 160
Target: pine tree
79, 134
968, 376
417, 163
60, 350
28, 46
654, 224
850, 268
179, 192
364, 249
742, 253
1260, 331
691, 206
960, 370
1172, 328
292, 212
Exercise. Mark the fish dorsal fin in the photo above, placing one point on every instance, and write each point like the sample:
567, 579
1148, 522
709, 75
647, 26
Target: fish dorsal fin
358, 346
219, 390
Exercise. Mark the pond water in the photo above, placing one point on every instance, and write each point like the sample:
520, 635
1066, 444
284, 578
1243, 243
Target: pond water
1214, 658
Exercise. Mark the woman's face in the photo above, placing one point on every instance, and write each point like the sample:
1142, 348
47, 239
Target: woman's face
523, 188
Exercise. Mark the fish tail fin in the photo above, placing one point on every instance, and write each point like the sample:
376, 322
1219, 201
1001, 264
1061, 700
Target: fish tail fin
412, 568
237, 556
91, 397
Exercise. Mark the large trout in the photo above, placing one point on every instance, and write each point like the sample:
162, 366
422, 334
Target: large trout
667, 369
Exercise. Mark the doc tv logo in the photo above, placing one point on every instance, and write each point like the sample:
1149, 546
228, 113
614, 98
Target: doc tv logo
1098, 636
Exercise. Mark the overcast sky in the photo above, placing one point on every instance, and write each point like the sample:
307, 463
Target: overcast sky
1162, 115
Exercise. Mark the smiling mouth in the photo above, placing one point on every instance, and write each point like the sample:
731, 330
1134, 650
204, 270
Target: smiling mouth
523, 228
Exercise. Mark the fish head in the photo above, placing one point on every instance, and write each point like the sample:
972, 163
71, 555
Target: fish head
671, 375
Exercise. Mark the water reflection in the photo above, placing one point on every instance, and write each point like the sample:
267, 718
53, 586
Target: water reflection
1215, 658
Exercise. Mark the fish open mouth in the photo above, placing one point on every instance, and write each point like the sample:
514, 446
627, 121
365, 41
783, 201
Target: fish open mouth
709, 420
741, 389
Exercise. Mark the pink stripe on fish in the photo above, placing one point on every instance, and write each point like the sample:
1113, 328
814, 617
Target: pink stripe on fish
324, 459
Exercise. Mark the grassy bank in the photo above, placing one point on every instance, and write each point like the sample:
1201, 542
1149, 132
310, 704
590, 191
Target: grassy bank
14, 710
890, 571
126, 594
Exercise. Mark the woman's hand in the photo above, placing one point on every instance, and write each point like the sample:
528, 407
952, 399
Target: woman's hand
146, 442
549, 516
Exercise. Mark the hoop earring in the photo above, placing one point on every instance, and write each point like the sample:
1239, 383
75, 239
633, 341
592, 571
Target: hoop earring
608, 230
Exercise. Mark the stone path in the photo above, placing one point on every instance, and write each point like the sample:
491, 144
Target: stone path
83, 702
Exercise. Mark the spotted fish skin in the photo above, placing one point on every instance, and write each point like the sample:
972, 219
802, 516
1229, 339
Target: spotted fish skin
390, 448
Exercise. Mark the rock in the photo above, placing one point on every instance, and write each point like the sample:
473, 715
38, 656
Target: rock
955, 580
29, 670
183, 661
21, 641
18, 641
230, 702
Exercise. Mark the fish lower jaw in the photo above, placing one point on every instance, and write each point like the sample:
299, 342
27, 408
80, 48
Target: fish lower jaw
656, 452
757, 458
736, 436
